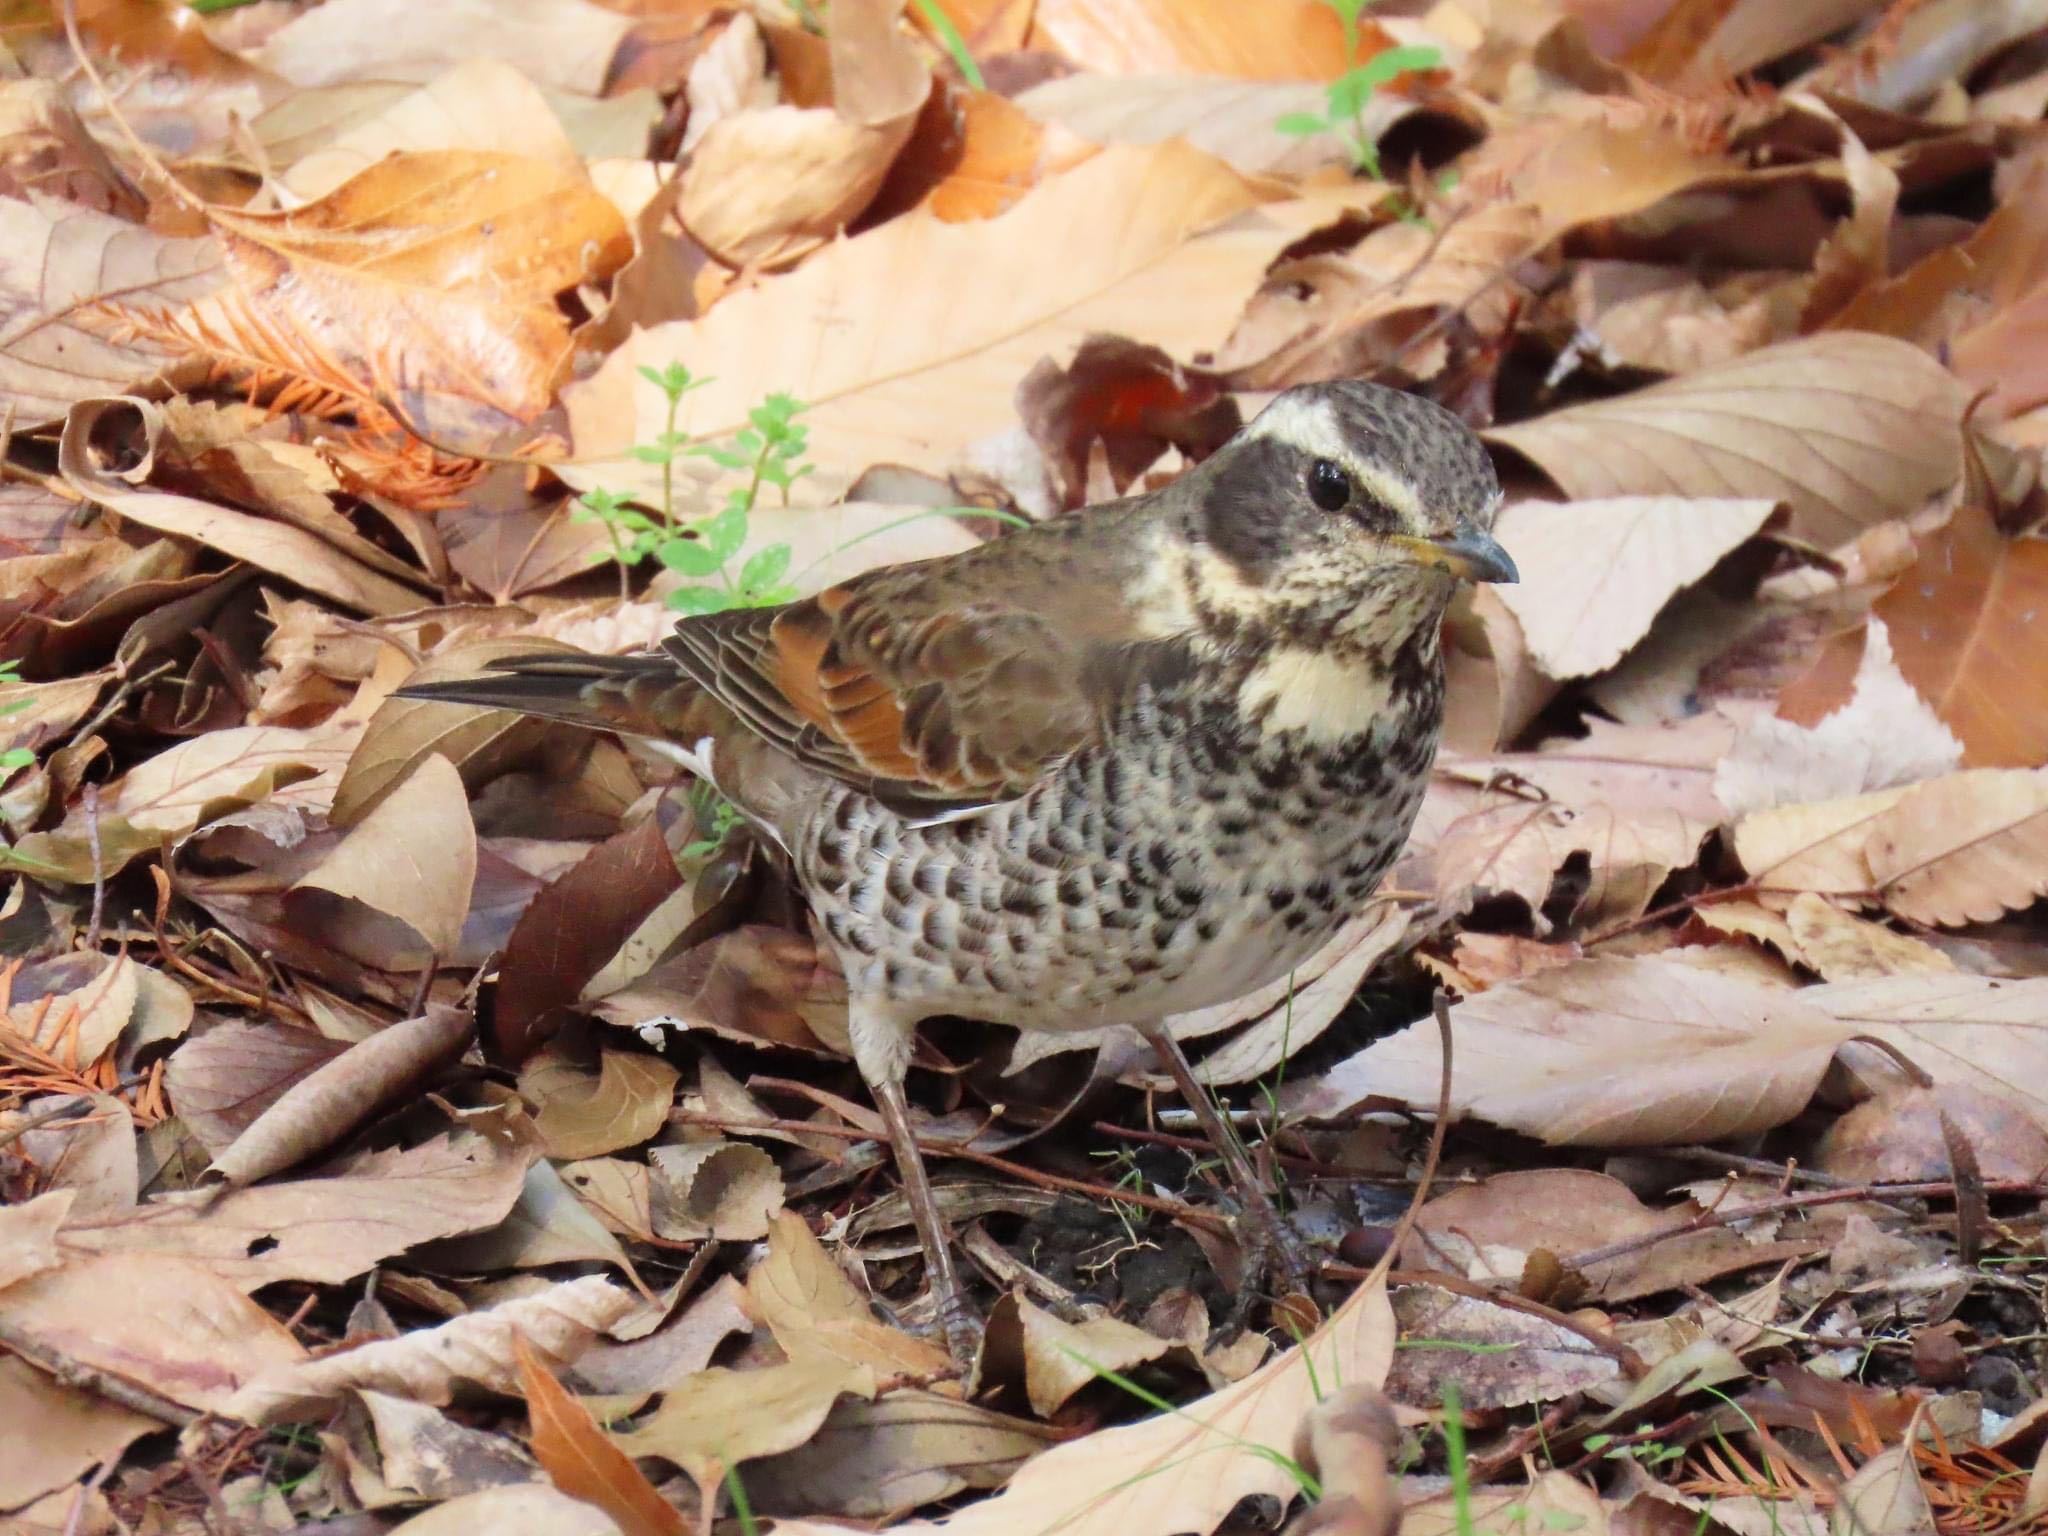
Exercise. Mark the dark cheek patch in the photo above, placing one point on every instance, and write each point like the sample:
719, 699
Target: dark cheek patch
1251, 505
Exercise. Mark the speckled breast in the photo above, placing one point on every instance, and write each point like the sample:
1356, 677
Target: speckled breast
1191, 861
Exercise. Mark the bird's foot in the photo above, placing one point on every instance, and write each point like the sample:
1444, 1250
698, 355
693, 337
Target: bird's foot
961, 1327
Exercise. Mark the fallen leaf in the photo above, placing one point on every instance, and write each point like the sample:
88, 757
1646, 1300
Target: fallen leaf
1899, 1138
1844, 947
1183, 1471
326, 1229
556, 1324
266, 543
970, 308
723, 1190
1230, 119
60, 264
1964, 1030
326, 1104
395, 893
564, 43
817, 1316
28, 1235
1845, 429
173, 1326
1964, 625
1488, 1231
583, 1115
73, 1430
1252, 39
480, 104
581, 1461
870, 1460
1637, 1052
167, 797
532, 1509
1594, 574
1496, 1356
719, 1418
1884, 734
1055, 1359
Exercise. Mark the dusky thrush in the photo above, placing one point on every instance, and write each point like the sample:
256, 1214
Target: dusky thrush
1127, 763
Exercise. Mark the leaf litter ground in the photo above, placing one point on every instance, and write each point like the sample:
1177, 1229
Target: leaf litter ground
445, 1121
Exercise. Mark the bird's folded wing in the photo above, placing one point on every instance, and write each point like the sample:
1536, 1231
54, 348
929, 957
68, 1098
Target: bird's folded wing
892, 684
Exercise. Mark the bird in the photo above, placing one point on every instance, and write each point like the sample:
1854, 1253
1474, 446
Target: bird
1139, 759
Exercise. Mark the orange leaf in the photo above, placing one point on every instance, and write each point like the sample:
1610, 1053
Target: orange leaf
582, 1461
1968, 624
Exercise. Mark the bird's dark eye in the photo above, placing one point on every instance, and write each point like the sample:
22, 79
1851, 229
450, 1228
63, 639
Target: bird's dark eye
1328, 486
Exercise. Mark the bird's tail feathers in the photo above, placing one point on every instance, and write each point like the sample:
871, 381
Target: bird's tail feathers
639, 695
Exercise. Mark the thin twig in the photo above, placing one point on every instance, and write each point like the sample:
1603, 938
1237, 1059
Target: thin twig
99, 866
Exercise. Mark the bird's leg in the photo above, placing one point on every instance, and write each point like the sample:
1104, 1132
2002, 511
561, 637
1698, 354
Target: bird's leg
957, 1319
1270, 1233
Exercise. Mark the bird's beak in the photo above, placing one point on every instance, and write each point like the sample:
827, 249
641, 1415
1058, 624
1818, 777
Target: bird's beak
1470, 554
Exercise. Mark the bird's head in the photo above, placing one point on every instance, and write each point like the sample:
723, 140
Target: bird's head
1345, 506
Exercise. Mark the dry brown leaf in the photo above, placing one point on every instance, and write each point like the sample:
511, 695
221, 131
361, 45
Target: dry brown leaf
581, 1461
1846, 429
1638, 1052
1230, 119
403, 733
77, 1005
90, 1154
326, 1229
1252, 39
1512, 846
1979, 304
764, 186
580, 1114
1844, 947
72, 1431
718, 1418
1595, 574
1338, 313
1488, 1231
1969, 847
1498, 1357
58, 263
1056, 1359
28, 1234
1553, 1501
1883, 735
909, 341
173, 1326
322, 1107
872, 1460
816, 1314
165, 798
1183, 1471
1961, 1030
557, 1323
567, 44
1899, 1137
273, 546
427, 281
395, 893
724, 1190
532, 1509
221, 1080
1967, 624
481, 103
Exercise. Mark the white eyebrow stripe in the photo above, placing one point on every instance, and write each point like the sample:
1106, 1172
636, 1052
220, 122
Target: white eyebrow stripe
1311, 427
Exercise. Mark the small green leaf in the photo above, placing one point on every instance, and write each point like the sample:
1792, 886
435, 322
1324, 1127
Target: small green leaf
692, 557
647, 455
725, 458
1383, 66
1300, 125
765, 567
725, 533
15, 757
699, 600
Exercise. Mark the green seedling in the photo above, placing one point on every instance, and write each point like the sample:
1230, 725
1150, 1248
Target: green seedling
1345, 100
13, 757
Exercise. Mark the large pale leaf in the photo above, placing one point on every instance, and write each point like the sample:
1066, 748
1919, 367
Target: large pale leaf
1185, 1471
58, 264
563, 43
908, 342
1963, 1030
1639, 1052
1845, 429
1595, 573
